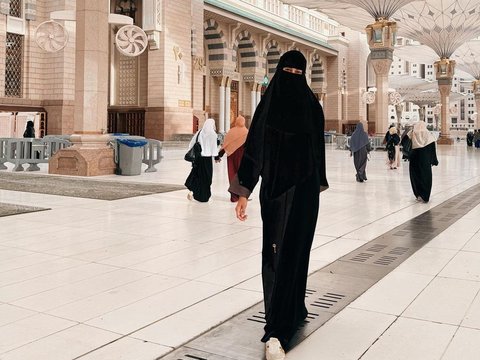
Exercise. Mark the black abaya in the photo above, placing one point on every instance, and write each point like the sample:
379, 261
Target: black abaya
200, 178
421, 161
285, 146
360, 159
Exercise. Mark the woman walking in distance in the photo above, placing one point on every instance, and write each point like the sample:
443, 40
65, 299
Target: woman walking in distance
286, 147
200, 178
422, 157
233, 146
360, 148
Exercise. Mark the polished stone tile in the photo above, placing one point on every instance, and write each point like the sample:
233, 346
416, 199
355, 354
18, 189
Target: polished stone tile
411, 339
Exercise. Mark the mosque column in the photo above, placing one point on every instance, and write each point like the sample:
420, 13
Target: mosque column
444, 70
90, 154
253, 99
259, 93
228, 99
221, 120
381, 40
421, 112
399, 111
476, 92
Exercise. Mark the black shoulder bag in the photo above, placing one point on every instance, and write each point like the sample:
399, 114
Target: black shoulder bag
195, 152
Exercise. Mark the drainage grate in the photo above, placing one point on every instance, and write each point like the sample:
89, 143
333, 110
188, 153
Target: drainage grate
362, 257
399, 250
309, 292
377, 248
385, 260
258, 317
327, 300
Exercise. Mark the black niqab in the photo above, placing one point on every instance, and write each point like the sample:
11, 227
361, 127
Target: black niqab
289, 124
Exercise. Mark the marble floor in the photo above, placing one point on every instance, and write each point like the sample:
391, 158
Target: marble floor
133, 279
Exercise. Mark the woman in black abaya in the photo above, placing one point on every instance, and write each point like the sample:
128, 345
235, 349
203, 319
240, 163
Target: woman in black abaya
360, 147
200, 178
422, 157
285, 146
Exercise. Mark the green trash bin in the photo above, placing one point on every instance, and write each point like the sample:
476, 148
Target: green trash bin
130, 156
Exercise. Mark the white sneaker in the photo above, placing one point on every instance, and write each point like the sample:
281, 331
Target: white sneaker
274, 350
190, 196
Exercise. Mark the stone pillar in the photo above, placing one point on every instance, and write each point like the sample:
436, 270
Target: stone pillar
259, 94
228, 94
444, 70
399, 111
421, 112
90, 154
476, 91
253, 97
381, 39
221, 120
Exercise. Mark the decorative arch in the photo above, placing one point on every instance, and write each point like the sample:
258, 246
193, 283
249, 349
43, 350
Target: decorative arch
272, 55
215, 41
318, 72
245, 48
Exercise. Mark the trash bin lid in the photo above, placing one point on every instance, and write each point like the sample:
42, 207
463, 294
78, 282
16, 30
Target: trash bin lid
132, 143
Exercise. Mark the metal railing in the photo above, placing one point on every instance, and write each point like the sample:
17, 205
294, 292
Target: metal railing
343, 142
29, 151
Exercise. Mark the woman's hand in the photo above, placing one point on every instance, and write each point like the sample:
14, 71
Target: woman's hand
241, 208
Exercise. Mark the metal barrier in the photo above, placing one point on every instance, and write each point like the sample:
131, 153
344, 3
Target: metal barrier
29, 151
152, 154
343, 142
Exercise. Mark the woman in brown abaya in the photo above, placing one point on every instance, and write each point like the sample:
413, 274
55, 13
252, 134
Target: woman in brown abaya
233, 146
285, 146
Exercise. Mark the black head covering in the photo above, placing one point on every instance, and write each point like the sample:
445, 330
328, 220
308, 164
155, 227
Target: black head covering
287, 131
359, 138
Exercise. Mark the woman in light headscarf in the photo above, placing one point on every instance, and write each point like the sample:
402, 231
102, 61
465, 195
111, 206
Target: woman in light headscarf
233, 146
422, 157
360, 147
200, 178
393, 148
286, 148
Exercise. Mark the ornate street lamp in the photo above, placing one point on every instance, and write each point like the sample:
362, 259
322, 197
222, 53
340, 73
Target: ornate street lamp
443, 26
381, 38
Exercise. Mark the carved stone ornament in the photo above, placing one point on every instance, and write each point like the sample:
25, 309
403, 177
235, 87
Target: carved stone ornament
453, 110
198, 63
51, 36
368, 97
381, 67
395, 98
474, 116
437, 109
178, 53
131, 40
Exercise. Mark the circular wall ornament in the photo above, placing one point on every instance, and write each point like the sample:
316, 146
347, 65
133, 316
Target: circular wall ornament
51, 36
395, 98
368, 97
453, 110
131, 40
474, 116
437, 109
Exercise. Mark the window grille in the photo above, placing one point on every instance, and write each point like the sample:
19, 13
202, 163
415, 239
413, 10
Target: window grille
16, 8
13, 65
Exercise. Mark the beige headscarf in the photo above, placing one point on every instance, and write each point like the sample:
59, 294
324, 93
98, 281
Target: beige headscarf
236, 136
420, 135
